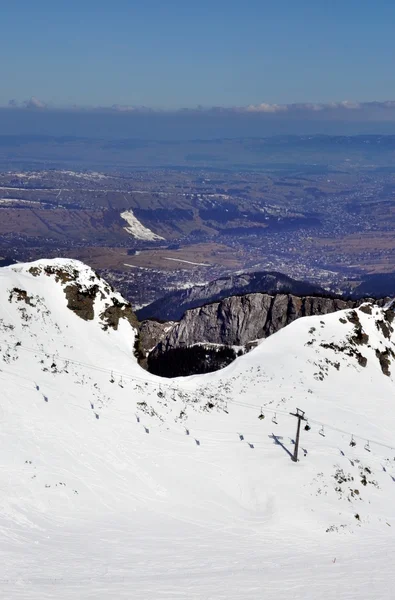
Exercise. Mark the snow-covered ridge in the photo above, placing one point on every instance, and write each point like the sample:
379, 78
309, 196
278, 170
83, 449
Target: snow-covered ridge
85, 293
114, 480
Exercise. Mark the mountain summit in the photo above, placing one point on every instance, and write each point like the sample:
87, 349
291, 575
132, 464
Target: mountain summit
118, 484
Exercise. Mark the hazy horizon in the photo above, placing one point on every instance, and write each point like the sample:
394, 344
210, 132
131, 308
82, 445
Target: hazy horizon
180, 126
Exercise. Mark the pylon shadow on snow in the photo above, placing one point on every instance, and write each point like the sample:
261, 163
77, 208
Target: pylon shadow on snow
277, 440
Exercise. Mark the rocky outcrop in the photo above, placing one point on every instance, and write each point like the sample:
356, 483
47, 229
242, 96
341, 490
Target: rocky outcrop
173, 305
151, 333
81, 301
87, 295
20, 296
117, 311
238, 320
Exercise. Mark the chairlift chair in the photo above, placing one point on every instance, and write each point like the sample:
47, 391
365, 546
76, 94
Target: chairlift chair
367, 446
307, 426
261, 415
321, 431
353, 442
112, 378
274, 419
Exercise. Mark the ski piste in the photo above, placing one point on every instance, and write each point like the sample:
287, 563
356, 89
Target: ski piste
116, 483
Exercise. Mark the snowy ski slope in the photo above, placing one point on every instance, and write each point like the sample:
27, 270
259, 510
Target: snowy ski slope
118, 484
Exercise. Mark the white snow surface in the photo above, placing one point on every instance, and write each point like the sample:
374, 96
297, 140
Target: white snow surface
119, 484
137, 229
187, 262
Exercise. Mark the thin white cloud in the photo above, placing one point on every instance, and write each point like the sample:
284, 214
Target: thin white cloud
267, 108
264, 107
34, 102
373, 109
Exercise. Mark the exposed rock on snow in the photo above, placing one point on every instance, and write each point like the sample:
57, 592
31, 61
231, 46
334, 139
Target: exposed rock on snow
86, 293
115, 480
117, 311
81, 301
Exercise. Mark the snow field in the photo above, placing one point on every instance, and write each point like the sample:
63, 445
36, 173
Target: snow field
118, 484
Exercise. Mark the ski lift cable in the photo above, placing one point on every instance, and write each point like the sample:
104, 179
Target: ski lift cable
355, 436
253, 407
227, 432
163, 428
170, 387
155, 384
114, 372
85, 408
133, 378
192, 393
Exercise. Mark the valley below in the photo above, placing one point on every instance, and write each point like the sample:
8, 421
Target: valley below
150, 229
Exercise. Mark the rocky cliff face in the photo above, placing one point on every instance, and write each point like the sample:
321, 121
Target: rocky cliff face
173, 305
151, 333
237, 320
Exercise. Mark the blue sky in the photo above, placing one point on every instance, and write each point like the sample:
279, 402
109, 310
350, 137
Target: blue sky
178, 53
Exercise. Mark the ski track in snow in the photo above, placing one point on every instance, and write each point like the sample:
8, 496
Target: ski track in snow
188, 495
187, 262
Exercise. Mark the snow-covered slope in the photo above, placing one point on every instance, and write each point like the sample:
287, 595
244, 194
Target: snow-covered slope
137, 229
118, 484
